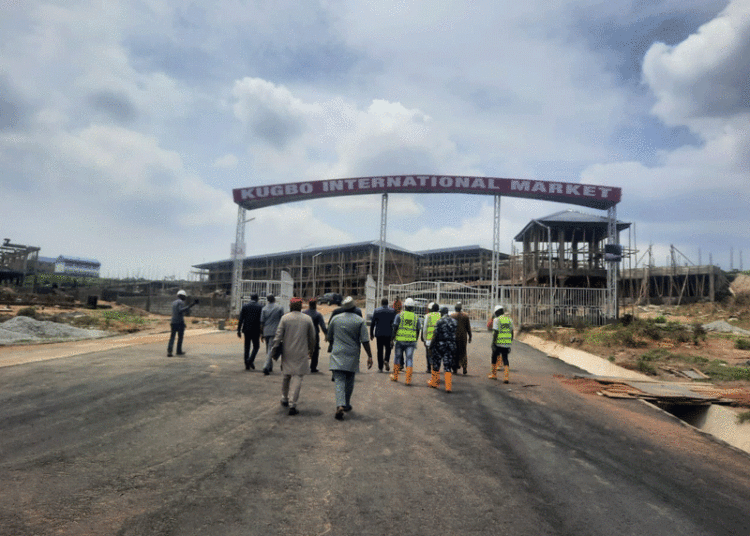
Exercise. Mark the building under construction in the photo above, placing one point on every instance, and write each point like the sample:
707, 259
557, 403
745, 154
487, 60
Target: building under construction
344, 269
566, 248
16, 262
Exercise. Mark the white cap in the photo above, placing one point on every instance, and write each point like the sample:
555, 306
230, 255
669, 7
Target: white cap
498, 308
408, 302
181, 293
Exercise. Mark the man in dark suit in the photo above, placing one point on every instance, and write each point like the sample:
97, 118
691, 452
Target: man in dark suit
249, 324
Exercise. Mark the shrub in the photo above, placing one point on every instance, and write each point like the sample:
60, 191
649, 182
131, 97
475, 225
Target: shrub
742, 344
699, 333
651, 331
626, 319
657, 354
661, 319
27, 311
743, 417
645, 366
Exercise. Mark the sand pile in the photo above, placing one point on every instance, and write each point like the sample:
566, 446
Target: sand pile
25, 329
741, 284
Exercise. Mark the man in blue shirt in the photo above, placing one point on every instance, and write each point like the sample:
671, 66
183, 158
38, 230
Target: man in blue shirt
178, 321
381, 329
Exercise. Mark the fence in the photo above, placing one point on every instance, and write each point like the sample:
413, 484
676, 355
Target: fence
528, 306
281, 289
474, 302
371, 289
544, 306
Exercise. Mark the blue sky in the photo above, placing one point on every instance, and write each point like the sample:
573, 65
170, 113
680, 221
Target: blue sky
125, 125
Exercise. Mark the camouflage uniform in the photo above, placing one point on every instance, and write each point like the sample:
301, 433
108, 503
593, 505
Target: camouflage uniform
443, 345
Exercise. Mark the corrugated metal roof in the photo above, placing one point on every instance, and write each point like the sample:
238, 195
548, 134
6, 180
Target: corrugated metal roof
458, 249
312, 250
571, 218
77, 259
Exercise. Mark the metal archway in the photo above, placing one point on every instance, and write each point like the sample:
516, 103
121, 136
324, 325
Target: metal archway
588, 195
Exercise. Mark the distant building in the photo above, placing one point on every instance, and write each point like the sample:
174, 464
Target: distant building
342, 269
466, 264
46, 265
77, 267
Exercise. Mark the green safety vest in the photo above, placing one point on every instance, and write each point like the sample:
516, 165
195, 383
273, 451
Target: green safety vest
429, 328
407, 327
504, 331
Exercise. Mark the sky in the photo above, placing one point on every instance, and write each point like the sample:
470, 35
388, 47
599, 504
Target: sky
125, 125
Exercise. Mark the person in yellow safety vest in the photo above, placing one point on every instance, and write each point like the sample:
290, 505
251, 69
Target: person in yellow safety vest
428, 330
404, 341
502, 339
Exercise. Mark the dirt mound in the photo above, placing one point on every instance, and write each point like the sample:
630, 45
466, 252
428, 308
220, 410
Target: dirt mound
741, 284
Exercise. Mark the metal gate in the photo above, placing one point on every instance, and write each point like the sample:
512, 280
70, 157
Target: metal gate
371, 289
280, 289
474, 302
544, 306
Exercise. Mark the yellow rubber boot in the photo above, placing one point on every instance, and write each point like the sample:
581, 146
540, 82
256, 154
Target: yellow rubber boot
448, 382
506, 377
434, 380
396, 369
409, 371
493, 375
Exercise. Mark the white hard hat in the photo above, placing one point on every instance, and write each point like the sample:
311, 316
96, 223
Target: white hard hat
499, 308
429, 306
408, 302
181, 293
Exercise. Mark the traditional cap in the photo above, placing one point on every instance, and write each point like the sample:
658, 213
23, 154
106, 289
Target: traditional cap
181, 293
348, 303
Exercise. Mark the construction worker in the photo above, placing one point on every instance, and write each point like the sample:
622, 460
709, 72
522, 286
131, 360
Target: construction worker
502, 339
177, 324
428, 330
405, 335
442, 349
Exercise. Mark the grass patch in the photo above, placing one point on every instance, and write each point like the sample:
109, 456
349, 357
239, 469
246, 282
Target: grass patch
27, 311
719, 370
742, 344
123, 316
743, 417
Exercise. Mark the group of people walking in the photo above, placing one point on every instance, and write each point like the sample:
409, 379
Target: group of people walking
295, 339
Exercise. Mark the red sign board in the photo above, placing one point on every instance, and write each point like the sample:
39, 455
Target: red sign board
588, 195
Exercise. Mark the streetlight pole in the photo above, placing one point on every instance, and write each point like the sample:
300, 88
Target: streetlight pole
300, 268
314, 280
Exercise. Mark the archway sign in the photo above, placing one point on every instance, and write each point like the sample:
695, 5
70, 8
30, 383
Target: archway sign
587, 195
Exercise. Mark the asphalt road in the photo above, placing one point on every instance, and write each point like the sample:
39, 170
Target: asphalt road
129, 442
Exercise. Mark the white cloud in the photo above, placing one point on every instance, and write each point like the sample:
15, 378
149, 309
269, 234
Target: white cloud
706, 75
228, 161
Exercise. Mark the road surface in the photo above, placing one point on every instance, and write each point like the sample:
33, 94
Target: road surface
125, 441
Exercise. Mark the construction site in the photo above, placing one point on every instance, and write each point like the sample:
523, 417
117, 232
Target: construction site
565, 250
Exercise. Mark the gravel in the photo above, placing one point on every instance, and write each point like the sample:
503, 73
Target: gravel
24, 328
725, 327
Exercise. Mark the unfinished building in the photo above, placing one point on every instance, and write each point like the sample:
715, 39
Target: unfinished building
565, 248
342, 269
16, 262
467, 264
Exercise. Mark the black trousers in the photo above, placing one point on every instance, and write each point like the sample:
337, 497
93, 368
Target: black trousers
179, 331
384, 350
253, 339
315, 354
500, 351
